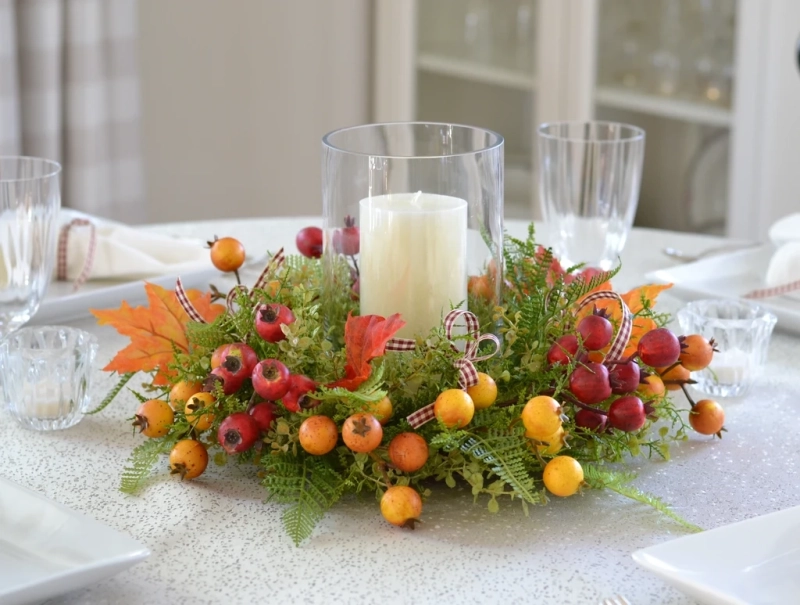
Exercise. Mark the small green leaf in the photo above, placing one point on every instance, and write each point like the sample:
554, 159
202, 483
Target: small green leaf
450, 481
493, 506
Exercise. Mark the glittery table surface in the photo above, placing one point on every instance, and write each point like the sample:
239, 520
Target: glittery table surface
216, 540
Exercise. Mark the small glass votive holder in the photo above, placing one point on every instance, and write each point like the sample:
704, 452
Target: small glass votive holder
741, 331
47, 375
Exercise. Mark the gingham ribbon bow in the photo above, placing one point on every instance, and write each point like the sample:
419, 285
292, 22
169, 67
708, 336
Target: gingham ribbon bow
623, 335
273, 265
63, 240
467, 374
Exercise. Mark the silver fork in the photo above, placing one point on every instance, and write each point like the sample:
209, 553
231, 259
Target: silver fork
688, 257
617, 600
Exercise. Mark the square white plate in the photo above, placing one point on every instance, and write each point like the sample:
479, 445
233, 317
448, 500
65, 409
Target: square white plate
753, 562
731, 276
47, 549
257, 235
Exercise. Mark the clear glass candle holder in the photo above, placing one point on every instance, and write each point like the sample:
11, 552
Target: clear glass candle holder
742, 332
412, 212
47, 375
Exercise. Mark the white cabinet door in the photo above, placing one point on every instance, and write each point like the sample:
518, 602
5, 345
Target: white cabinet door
765, 163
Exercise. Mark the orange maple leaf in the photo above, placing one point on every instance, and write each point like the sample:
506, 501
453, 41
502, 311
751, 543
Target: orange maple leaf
154, 330
365, 339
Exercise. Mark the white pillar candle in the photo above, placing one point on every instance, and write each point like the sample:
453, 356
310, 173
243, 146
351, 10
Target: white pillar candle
413, 258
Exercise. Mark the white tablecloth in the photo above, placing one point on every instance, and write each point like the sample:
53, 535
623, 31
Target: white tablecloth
214, 540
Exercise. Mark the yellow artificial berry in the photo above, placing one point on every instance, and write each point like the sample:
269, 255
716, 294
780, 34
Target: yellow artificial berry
563, 476
541, 417
454, 408
484, 393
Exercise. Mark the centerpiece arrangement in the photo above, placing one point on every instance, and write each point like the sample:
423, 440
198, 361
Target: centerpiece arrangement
513, 374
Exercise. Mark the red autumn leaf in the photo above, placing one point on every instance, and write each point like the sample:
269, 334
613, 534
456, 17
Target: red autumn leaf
365, 339
154, 330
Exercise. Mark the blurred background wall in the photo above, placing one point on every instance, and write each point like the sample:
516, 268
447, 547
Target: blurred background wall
235, 98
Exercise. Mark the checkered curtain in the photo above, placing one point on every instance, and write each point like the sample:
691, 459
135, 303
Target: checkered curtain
69, 91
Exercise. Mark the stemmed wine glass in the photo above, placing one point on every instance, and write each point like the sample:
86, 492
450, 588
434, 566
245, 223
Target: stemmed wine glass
29, 204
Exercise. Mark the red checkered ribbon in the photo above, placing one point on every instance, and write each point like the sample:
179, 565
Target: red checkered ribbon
401, 344
625, 327
273, 265
421, 416
773, 291
467, 374
187, 305
63, 240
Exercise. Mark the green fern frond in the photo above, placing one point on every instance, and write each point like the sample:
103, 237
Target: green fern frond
141, 398
124, 379
141, 462
501, 451
619, 482
353, 397
505, 455
309, 485
375, 380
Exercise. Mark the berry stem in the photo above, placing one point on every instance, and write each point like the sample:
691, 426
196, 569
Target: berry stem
252, 402
355, 264
382, 466
672, 367
689, 397
583, 405
236, 273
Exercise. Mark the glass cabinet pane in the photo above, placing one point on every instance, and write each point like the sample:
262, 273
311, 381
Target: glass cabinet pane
475, 65
668, 66
496, 33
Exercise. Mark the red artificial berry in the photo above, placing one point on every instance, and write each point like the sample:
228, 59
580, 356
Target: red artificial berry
627, 414
590, 420
237, 433
596, 332
589, 383
659, 348
624, 377
563, 350
270, 379
233, 369
346, 241
296, 398
230, 383
243, 352
269, 319
264, 413
309, 242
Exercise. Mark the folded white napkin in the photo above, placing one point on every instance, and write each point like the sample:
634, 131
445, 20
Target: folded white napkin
784, 266
126, 253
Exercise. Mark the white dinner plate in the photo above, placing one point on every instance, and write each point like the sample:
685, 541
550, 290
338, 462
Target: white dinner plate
754, 562
62, 303
731, 275
47, 549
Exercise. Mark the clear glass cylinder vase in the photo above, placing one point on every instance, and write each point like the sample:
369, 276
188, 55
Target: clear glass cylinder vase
416, 211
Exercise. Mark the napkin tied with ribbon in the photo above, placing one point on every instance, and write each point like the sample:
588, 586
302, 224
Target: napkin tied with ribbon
94, 248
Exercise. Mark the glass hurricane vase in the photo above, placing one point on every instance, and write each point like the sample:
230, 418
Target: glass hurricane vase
415, 210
